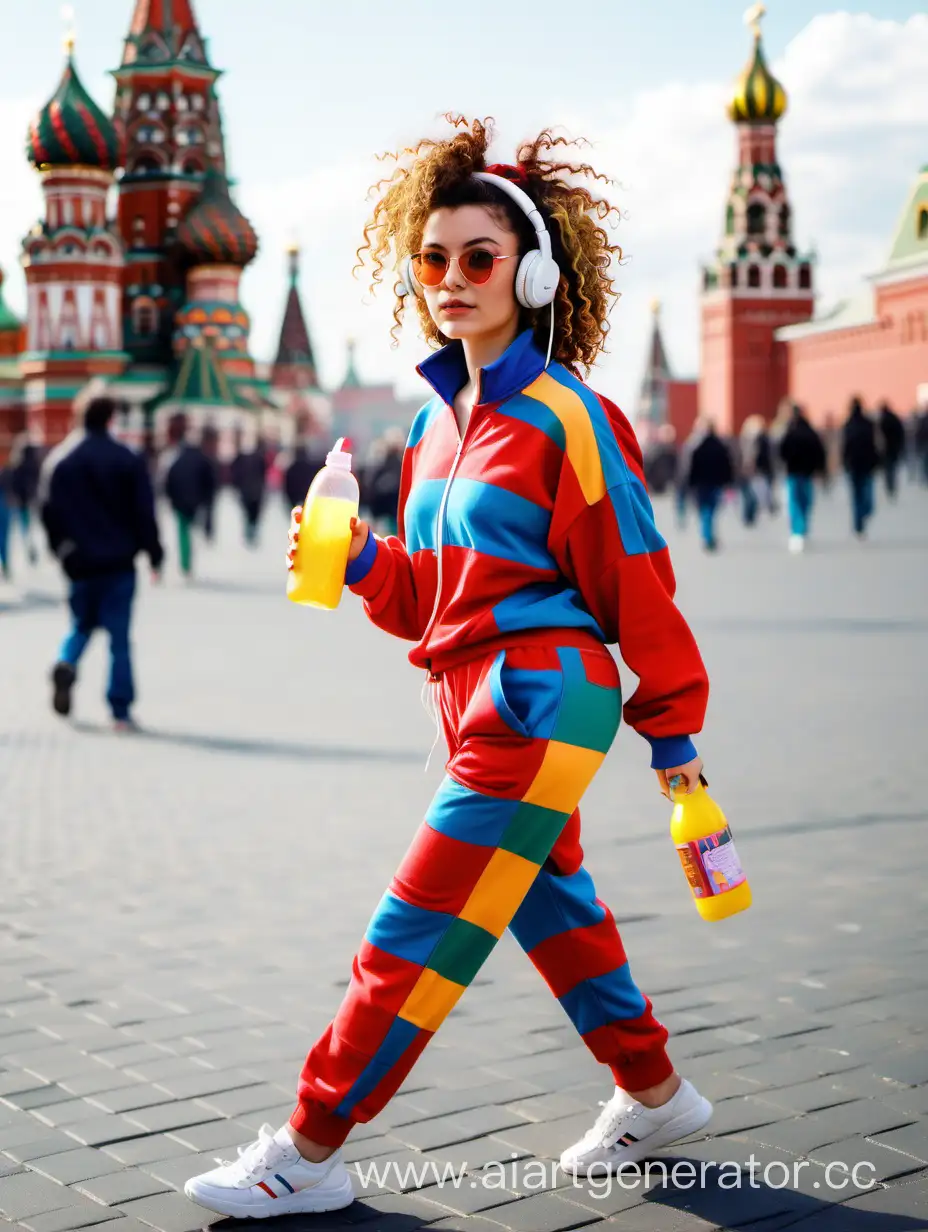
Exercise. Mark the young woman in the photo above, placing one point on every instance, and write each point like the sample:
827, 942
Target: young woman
526, 545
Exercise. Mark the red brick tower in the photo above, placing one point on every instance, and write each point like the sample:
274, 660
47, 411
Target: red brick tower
167, 115
73, 259
758, 281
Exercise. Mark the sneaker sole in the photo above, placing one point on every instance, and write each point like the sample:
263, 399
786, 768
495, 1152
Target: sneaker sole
307, 1201
63, 680
680, 1127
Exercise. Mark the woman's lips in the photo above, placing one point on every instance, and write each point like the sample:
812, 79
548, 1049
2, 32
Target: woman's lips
456, 310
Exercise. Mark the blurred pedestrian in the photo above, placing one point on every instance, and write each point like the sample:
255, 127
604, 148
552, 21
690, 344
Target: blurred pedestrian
892, 446
710, 473
299, 472
660, 460
249, 478
920, 445
802, 452
5, 518
25, 464
383, 483
98, 509
209, 443
190, 486
861, 459
753, 447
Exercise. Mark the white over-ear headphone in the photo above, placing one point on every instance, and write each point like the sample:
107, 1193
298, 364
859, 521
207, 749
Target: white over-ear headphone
538, 274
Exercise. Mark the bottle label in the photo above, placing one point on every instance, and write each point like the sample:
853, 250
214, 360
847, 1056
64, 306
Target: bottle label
711, 864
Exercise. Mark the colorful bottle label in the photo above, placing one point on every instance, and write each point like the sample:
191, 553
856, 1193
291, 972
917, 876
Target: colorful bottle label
711, 864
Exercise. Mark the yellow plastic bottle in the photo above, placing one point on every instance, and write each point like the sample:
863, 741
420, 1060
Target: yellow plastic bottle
708, 855
317, 578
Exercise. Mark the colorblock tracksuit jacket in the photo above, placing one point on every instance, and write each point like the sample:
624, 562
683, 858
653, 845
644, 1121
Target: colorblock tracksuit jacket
523, 549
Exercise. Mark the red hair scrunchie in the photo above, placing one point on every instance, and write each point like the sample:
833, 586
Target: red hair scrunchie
508, 171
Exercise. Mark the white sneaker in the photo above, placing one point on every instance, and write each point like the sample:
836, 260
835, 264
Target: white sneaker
626, 1131
797, 543
270, 1177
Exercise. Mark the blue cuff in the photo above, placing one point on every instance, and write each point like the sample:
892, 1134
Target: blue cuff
360, 567
669, 751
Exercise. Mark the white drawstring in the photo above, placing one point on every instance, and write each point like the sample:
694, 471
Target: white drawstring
550, 337
433, 710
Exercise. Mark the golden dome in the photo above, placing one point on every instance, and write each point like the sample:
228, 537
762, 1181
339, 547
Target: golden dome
758, 97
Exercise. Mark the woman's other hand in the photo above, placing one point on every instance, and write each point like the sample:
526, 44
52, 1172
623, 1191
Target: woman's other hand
689, 773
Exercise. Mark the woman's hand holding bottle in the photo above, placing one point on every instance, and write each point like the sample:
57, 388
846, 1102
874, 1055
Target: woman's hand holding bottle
359, 532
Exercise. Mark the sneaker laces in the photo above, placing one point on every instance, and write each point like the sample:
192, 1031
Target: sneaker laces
616, 1112
252, 1159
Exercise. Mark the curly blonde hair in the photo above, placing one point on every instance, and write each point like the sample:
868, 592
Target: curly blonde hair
435, 174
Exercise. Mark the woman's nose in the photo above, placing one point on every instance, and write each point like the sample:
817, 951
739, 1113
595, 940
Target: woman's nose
454, 279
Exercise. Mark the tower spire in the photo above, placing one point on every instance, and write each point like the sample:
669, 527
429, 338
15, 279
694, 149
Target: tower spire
295, 365
652, 396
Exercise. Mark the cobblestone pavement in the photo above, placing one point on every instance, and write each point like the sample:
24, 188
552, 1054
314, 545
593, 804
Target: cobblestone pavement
179, 909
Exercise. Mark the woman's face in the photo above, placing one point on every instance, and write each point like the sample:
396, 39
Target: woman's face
463, 309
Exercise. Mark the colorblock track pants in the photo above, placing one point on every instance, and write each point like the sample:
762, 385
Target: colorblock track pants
527, 729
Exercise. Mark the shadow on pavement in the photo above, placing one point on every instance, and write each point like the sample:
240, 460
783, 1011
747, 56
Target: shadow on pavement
723, 1201
238, 745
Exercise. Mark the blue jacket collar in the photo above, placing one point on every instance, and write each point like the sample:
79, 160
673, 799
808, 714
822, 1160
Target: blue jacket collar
520, 364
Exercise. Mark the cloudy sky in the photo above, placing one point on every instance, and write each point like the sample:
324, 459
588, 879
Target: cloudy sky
313, 90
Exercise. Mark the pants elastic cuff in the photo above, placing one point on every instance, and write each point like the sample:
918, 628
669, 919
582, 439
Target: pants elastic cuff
315, 1122
640, 1073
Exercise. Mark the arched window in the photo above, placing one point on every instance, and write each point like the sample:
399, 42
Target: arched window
730, 220
923, 223
144, 318
146, 165
785, 218
753, 275
757, 219
191, 167
780, 277
805, 277
144, 102
733, 275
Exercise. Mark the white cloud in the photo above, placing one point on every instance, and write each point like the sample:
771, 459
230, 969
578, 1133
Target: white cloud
850, 145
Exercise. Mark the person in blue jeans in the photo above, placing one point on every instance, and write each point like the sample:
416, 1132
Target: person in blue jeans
803, 455
710, 472
98, 511
861, 457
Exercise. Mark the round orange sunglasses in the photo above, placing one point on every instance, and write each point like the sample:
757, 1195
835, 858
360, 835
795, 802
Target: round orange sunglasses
476, 266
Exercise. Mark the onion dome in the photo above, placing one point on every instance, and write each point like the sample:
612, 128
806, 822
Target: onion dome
758, 97
216, 232
71, 130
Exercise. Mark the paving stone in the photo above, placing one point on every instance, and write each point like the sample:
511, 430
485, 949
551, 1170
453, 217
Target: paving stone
29, 1194
169, 1212
147, 1149
546, 1212
248, 1099
214, 1134
176, 1115
102, 1130
70, 1218
122, 1186
79, 1165
910, 1139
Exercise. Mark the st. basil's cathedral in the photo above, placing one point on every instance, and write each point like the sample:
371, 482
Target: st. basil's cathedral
147, 303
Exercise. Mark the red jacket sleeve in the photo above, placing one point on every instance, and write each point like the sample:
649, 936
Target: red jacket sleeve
613, 553
384, 575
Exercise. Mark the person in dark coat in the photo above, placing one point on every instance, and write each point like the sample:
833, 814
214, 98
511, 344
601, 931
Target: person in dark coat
98, 510
861, 458
5, 505
24, 467
710, 473
660, 460
190, 486
802, 452
249, 478
383, 484
299, 474
209, 443
892, 441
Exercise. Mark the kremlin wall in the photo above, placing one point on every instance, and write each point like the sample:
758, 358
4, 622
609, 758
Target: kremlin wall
147, 305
